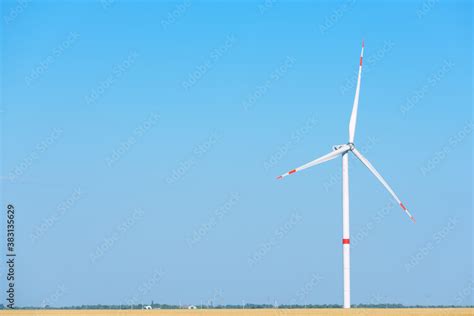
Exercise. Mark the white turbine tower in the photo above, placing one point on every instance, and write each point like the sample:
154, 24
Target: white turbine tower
344, 150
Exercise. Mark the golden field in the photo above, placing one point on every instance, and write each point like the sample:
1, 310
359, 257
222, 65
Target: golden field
252, 312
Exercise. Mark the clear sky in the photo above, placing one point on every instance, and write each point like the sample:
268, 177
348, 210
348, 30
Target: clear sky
141, 141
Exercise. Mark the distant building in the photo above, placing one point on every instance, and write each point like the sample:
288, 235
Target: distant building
192, 307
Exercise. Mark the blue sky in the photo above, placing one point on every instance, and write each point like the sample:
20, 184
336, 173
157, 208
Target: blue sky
140, 145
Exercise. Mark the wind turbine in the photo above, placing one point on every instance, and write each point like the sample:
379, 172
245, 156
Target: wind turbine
344, 150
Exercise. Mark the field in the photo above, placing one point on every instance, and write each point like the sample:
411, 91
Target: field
252, 312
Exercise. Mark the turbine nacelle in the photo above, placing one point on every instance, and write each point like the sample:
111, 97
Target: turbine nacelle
349, 146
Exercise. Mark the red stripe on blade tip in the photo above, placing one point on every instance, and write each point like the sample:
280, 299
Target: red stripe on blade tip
403, 206
345, 241
361, 61
292, 171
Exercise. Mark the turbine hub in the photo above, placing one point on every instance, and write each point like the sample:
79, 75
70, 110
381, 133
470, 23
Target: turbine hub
351, 145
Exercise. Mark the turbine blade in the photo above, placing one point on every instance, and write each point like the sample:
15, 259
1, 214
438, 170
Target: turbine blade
353, 121
318, 161
382, 180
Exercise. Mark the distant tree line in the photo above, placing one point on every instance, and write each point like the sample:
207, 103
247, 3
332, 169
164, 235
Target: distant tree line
245, 306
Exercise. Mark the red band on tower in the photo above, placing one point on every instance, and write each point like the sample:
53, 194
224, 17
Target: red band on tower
345, 241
